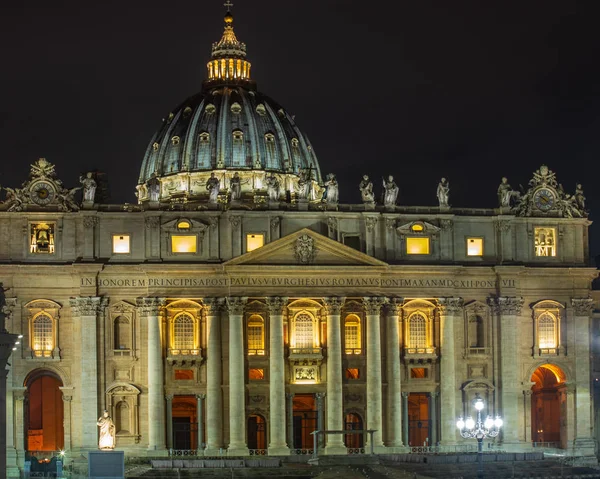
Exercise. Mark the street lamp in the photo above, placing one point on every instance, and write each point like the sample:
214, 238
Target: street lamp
479, 429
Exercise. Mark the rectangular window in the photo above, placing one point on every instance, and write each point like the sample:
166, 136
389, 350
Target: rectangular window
419, 373
545, 241
474, 246
352, 242
352, 373
41, 238
255, 340
254, 241
417, 245
183, 243
184, 374
121, 244
256, 374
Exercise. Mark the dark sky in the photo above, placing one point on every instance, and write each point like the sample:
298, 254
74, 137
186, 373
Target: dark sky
469, 90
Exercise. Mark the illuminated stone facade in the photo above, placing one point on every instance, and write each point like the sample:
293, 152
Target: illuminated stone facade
236, 328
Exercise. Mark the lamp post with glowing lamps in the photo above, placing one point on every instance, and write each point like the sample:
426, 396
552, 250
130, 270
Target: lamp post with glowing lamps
479, 429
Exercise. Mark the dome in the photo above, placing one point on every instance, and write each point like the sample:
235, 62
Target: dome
227, 128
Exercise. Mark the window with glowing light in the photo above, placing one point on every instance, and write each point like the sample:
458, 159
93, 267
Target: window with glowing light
42, 336
121, 244
256, 335
474, 246
183, 334
417, 245
304, 331
352, 334
547, 331
256, 374
184, 243
254, 241
419, 373
545, 242
184, 225
417, 331
352, 373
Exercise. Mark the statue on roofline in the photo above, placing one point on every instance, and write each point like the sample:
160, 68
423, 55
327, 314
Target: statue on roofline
443, 193
390, 192
366, 190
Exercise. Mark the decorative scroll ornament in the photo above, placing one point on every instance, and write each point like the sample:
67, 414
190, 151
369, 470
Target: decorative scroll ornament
332, 223
152, 222
507, 306
304, 249
235, 305
276, 304
85, 306
370, 222
333, 304
502, 226
450, 306
390, 223
582, 306
212, 306
373, 304
235, 221
149, 306
447, 225
275, 222
394, 306
90, 221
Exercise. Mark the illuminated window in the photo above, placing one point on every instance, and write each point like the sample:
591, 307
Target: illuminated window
474, 246
547, 331
183, 243
254, 241
256, 374
204, 137
419, 373
304, 331
352, 334
352, 373
41, 238
121, 244
545, 241
238, 136
417, 331
183, 334
42, 336
256, 335
417, 228
418, 245
184, 374
183, 225
269, 137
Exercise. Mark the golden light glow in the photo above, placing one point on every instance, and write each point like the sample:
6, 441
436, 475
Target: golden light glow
183, 225
256, 374
545, 241
254, 241
417, 245
417, 228
121, 244
474, 246
183, 243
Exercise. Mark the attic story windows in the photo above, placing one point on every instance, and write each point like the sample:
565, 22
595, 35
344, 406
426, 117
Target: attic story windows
545, 241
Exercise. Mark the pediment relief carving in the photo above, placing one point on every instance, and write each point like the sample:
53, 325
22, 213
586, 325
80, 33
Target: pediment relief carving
123, 389
184, 305
547, 304
182, 225
418, 305
43, 304
122, 307
422, 228
476, 307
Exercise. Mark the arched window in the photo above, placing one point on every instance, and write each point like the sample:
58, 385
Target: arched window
304, 331
183, 334
42, 336
352, 334
417, 331
256, 335
122, 330
547, 331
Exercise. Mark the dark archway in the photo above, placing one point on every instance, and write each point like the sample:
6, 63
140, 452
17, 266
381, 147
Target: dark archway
353, 422
257, 437
548, 405
305, 420
44, 414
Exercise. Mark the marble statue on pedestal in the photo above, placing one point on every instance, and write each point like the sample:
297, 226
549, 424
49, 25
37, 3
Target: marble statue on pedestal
273, 187
332, 191
235, 187
443, 193
390, 192
89, 187
506, 193
579, 198
366, 190
107, 431
304, 183
213, 185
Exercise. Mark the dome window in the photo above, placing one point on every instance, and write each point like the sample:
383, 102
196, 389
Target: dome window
295, 142
155, 146
175, 140
187, 112
210, 108
204, 137
236, 108
238, 135
261, 110
281, 113
269, 137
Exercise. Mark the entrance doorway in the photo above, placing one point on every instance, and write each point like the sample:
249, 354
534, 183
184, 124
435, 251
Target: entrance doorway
257, 438
305, 420
185, 423
44, 415
548, 405
418, 420
353, 423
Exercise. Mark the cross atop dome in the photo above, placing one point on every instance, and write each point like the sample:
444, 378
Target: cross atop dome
228, 5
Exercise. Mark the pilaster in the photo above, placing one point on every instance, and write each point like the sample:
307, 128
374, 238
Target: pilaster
393, 376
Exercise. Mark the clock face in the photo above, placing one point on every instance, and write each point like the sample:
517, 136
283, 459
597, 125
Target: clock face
42, 193
544, 199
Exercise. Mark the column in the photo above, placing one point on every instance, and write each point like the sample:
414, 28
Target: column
433, 418
200, 415
449, 310
405, 418
320, 419
289, 398
277, 444
20, 399
214, 395
527, 415
67, 397
149, 308
237, 387
509, 309
335, 407
394, 402
169, 402
86, 309
374, 395
584, 443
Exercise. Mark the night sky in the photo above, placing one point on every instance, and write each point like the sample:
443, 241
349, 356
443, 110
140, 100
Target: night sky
472, 91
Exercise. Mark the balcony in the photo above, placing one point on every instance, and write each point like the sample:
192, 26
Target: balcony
184, 356
477, 352
420, 355
306, 353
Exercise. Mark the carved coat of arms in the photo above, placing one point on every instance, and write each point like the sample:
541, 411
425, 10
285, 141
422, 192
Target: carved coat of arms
304, 249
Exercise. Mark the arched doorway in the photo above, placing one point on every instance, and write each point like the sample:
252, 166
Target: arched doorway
548, 406
305, 420
185, 423
257, 438
353, 422
44, 413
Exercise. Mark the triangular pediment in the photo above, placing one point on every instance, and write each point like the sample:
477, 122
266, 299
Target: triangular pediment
306, 248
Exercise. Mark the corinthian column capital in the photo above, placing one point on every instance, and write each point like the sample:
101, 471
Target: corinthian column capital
450, 306
506, 305
373, 304
333, 304
212, 306
86, 306
149, 306
235, 305
394, 306
276, 304
582, 306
